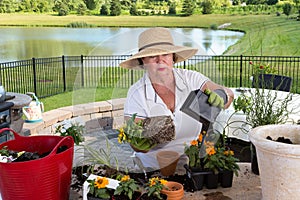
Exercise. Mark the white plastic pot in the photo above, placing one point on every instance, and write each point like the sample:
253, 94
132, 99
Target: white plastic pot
279, 163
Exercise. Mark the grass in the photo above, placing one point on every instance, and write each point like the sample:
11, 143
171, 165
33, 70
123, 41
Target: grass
267, 35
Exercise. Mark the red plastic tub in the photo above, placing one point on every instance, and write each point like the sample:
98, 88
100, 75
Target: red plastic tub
47, 178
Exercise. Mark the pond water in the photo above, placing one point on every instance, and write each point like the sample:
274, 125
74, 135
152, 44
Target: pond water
27, 42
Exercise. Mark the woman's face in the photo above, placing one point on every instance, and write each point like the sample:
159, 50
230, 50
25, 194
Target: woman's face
158, 65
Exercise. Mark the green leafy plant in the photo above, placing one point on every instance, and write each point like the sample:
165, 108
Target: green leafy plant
214, 158
230, 163
68, 128
102, 156
132, 132
154, 187
193, 151
97, 187
262, 68
263, 107
127, 186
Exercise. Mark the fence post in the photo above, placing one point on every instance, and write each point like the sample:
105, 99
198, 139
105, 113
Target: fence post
82, 73
64, 73
34, 77
241, 70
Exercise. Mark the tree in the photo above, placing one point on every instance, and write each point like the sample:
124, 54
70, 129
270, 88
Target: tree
115, 8
172, 8
207, 7
81, 9
287, 9
188, 7
133, 10
90, 4
7, 6
104, 10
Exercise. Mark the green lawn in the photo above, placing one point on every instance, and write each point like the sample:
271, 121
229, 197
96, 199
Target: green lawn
267, 35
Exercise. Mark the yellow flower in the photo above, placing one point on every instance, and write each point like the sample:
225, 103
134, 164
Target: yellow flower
153, 181
163, 181
194, 142
101, 182
125, 178
121, 136
228, 152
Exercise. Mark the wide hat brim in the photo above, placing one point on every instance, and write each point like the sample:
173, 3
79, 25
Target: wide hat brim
182, 53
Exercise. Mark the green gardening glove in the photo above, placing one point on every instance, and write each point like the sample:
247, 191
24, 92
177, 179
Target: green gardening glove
214, 99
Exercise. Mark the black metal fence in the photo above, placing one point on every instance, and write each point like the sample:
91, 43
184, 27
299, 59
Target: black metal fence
50, 76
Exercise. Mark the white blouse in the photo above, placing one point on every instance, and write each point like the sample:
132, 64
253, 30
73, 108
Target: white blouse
142, 100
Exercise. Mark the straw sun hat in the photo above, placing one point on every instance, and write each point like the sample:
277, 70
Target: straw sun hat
157, 41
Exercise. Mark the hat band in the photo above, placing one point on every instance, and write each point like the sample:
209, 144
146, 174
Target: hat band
154, 44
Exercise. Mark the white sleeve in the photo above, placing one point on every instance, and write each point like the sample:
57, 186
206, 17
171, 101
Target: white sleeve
194, 79
134, 103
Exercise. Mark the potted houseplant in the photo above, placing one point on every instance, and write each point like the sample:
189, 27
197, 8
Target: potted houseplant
210, 160
229, 169
98, 189
127, 189
74, 129
262, 107
153, 189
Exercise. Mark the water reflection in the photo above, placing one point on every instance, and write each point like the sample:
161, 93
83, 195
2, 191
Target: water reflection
24, 43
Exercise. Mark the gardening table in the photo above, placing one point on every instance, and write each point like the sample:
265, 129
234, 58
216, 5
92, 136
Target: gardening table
235, 122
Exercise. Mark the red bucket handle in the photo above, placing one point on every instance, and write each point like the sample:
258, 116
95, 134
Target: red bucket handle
67, 140
16, 135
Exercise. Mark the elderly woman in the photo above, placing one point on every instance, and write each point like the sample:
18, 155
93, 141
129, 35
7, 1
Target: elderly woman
163, 89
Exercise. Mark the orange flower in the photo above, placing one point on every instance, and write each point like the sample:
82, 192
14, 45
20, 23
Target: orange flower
228, 152
200, 137
125, 178
210, 150
194, 142
101, 182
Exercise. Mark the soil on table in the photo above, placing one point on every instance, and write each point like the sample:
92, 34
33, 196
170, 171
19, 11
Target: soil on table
79, 174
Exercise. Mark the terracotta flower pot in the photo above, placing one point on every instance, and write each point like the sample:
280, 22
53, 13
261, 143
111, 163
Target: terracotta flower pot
167, 161
175, 190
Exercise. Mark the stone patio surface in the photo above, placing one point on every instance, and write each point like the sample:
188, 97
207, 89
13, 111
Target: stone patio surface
245, 187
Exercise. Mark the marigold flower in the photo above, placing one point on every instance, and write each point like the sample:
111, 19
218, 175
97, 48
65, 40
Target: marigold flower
210, 150
228, 152
125, 178
208, 143
101, 182
200, 137
194, 142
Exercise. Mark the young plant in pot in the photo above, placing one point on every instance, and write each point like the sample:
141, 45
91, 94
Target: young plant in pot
127, 189
98, 189
262, 107
153, 189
